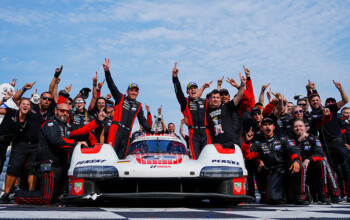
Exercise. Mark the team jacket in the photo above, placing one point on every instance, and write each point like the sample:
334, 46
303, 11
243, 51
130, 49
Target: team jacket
125, 110
193, 109
345, 129
54, 139
312, 124
274, 152
310, 148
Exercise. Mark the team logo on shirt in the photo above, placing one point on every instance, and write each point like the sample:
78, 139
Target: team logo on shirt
307, 147
318, 143
50, 124
278, 147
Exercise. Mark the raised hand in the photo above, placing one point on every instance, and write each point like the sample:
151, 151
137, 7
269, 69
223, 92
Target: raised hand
220, 81
337, 84
312, 85
160, 110
264, 87
246, 71
207, 84
68, 88
232, 82
278, 96
147, 107
249, 135
108, 96
184, 120
243, 79
94, 80
29, 85
100, 84
175, 70
58, 80
34, 93
13, 83
106, 65
58, 71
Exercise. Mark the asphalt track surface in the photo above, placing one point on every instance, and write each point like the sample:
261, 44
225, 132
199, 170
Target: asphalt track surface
171, 211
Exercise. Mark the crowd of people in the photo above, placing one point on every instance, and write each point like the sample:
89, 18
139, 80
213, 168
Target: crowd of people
293, 153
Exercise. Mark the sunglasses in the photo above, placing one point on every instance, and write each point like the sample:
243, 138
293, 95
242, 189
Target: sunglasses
302, 104
256, 113
109, 105
300, 111
64, 111
69, 103
47, 98
80, 101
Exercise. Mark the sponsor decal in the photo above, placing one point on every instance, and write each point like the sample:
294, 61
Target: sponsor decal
78, 187
124, 161
291, 143
225, 161
318, 143
238, 187
307, 147
159, 157
160, 166
90, 161
278, 147
50, 124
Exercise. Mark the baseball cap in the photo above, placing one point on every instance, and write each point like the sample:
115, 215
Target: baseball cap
133, 85
222, 91
255, 109
84, 93
191, 84
267, 119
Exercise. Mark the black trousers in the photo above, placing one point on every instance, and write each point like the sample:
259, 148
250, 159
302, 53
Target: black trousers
283, 184
3, 150
197, 139
339, 155
316, 177
50, 184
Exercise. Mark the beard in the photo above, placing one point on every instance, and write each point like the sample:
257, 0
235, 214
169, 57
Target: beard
61, 119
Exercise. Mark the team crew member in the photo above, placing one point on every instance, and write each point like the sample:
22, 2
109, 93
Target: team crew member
279, 164
219, 117
312, 124
108, 121
9, 126
126, 111
331, 132
195, 110
52, 155
12, 124
312, 157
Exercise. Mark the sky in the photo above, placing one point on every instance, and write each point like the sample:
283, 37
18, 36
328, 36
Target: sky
284, 43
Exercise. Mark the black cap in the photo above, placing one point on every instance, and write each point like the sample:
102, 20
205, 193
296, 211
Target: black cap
222, 91
330, 99
110, 102
255, 109
266, 119
84, 93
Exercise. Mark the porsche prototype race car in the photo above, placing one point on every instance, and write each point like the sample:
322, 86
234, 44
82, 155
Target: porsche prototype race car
157, 167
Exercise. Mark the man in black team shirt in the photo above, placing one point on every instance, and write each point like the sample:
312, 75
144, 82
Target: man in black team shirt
194, 109
219, 116
331, 136
126, 111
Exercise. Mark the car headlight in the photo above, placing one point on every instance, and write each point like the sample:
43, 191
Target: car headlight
221, 172
96, 172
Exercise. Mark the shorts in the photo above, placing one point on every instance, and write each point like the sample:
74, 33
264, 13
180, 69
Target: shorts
21, 154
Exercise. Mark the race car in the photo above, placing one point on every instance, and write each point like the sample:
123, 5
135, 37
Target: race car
157, 167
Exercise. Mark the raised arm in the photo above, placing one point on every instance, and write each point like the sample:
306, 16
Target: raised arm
94, 92
240, 92
201, 90
178, 91
220, 83
143, 121
279, 106
249, 86
183, 121
18, 95
262, 93
344, 97
110, 83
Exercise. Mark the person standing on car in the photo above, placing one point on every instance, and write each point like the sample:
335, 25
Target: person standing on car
194, 109
54, 140
219, 116
126, 111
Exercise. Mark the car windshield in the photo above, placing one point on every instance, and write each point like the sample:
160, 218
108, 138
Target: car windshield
157, 146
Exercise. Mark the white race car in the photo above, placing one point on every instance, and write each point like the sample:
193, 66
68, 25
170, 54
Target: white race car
157, 167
